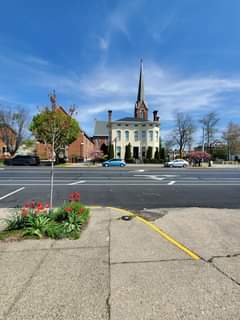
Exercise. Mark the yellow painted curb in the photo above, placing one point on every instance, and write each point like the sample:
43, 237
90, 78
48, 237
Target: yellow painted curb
166, 236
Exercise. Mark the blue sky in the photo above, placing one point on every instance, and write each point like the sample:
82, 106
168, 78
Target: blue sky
89, 52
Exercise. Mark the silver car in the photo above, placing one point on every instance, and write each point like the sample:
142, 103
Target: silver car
177, 163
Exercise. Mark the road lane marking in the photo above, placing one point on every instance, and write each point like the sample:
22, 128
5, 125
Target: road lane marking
11, 193
171, 183
164, 235
150, 176
76, 182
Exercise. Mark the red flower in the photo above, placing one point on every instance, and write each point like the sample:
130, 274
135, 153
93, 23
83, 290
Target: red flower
47, 206
74, 196
81, 210
40, 206
32, 205
68, 210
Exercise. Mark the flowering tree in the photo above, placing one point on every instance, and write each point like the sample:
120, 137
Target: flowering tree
199, 156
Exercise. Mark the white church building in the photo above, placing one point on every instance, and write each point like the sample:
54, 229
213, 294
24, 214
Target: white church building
138, 130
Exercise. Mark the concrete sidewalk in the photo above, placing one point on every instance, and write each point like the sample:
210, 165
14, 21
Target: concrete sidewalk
125, 269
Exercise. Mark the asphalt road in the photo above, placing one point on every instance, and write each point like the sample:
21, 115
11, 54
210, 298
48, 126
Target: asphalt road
133, 188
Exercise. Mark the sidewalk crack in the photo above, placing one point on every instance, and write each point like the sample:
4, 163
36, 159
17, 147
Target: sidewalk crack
225, 256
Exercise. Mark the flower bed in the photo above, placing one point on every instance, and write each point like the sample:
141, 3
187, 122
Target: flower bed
35, 220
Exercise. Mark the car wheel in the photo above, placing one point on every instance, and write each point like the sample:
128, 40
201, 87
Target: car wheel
106, 165
121, 165
170, 166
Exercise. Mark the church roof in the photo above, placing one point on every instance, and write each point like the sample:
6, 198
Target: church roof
131, 119
101, 129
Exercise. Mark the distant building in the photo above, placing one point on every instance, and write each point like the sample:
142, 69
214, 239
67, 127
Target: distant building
7, 140
138, 130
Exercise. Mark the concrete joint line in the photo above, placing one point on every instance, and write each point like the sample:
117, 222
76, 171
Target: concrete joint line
164, 235
150, 261
26, 284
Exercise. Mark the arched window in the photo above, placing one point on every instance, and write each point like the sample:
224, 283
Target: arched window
136, 135
118, 135
127, 135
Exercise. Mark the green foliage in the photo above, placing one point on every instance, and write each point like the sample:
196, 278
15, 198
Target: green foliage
156, 155
162, 153
36, 225
110, 151
128, 154
149, 153
35, 220
51, 125
15, 222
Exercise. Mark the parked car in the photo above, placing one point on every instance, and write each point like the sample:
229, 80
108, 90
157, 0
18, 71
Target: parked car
177, 163
23, 160
114, 163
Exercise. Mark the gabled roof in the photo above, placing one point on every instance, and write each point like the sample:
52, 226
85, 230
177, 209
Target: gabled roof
101, 129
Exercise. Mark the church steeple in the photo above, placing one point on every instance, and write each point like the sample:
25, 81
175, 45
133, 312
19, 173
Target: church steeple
141, 109
140, 96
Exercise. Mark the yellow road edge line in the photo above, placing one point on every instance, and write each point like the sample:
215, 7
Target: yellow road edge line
166, 236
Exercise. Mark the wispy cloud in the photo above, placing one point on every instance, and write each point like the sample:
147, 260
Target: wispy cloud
116, 88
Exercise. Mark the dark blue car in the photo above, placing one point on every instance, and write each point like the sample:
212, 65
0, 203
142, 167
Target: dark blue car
114, 163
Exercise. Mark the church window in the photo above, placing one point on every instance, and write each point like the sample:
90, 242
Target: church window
142, 114
156, 135
127, 135
118, 135
143, 135
136, 135
151, 135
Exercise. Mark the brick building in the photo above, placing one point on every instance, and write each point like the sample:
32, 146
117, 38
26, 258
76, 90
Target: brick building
7, 137
80, 150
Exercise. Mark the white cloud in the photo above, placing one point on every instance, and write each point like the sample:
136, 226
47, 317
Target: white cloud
103, 43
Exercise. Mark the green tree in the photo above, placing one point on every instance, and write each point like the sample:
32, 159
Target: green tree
162, 154
110, 151
149, 153
57, 129
156, 155
128, 155
54, 128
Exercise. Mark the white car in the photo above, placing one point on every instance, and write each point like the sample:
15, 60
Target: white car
177, 163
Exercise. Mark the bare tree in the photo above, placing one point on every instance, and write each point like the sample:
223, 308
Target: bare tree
209, 123
13, 122
183, 131
232, 138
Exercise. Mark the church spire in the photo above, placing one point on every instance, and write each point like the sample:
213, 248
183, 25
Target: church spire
140, 96
141, 109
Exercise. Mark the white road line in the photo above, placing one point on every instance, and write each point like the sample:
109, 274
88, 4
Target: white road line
11, 193
76, 182
172, 182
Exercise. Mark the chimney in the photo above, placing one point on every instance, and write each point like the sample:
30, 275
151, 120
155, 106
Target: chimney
109, 115
155, 115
